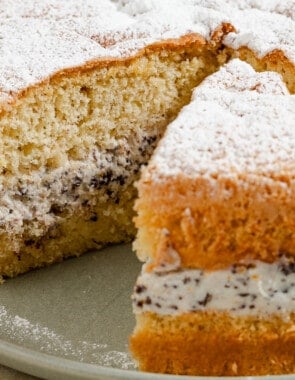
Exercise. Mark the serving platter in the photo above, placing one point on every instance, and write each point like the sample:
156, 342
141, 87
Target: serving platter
72, 320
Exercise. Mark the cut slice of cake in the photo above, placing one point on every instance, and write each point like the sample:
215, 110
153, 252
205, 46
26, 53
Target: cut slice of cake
216, 226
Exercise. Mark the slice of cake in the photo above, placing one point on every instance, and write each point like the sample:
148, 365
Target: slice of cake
216, 226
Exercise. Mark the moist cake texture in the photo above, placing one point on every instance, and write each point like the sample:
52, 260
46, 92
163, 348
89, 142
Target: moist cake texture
86, 91
215, 224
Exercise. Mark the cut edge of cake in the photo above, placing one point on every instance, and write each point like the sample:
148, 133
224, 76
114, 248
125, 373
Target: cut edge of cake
244, 193
224, 311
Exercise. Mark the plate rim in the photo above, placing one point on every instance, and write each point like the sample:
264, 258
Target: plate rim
38, 364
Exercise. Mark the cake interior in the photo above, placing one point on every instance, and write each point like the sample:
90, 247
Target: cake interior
73, 145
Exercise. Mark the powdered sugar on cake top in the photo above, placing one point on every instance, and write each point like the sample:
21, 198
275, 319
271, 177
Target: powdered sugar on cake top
39, 38
239, 124
285, 7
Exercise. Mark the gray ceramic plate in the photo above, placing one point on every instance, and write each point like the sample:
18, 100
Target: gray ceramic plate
72, 320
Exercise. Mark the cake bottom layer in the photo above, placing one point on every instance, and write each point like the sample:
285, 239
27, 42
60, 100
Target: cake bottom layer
82, 231
214, 344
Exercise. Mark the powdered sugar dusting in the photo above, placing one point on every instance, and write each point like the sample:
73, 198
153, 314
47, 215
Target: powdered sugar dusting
263, 33
286, 7
239, 125
38, 39
21, 331
261, 25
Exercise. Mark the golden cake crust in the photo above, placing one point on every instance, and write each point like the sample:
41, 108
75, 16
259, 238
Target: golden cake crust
275, 60
189, 42
242, 228
214, 344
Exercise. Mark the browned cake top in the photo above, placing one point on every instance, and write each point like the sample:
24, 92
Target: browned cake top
39, 38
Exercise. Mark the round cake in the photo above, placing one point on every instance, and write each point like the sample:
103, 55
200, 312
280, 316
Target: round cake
87, 90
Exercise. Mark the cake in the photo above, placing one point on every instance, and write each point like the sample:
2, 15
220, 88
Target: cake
87, 90
215, 222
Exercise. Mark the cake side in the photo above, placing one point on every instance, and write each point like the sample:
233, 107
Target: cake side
214, 344
214, 223
226, 165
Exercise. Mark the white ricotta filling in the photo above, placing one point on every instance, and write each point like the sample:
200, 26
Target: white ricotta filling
244, 289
